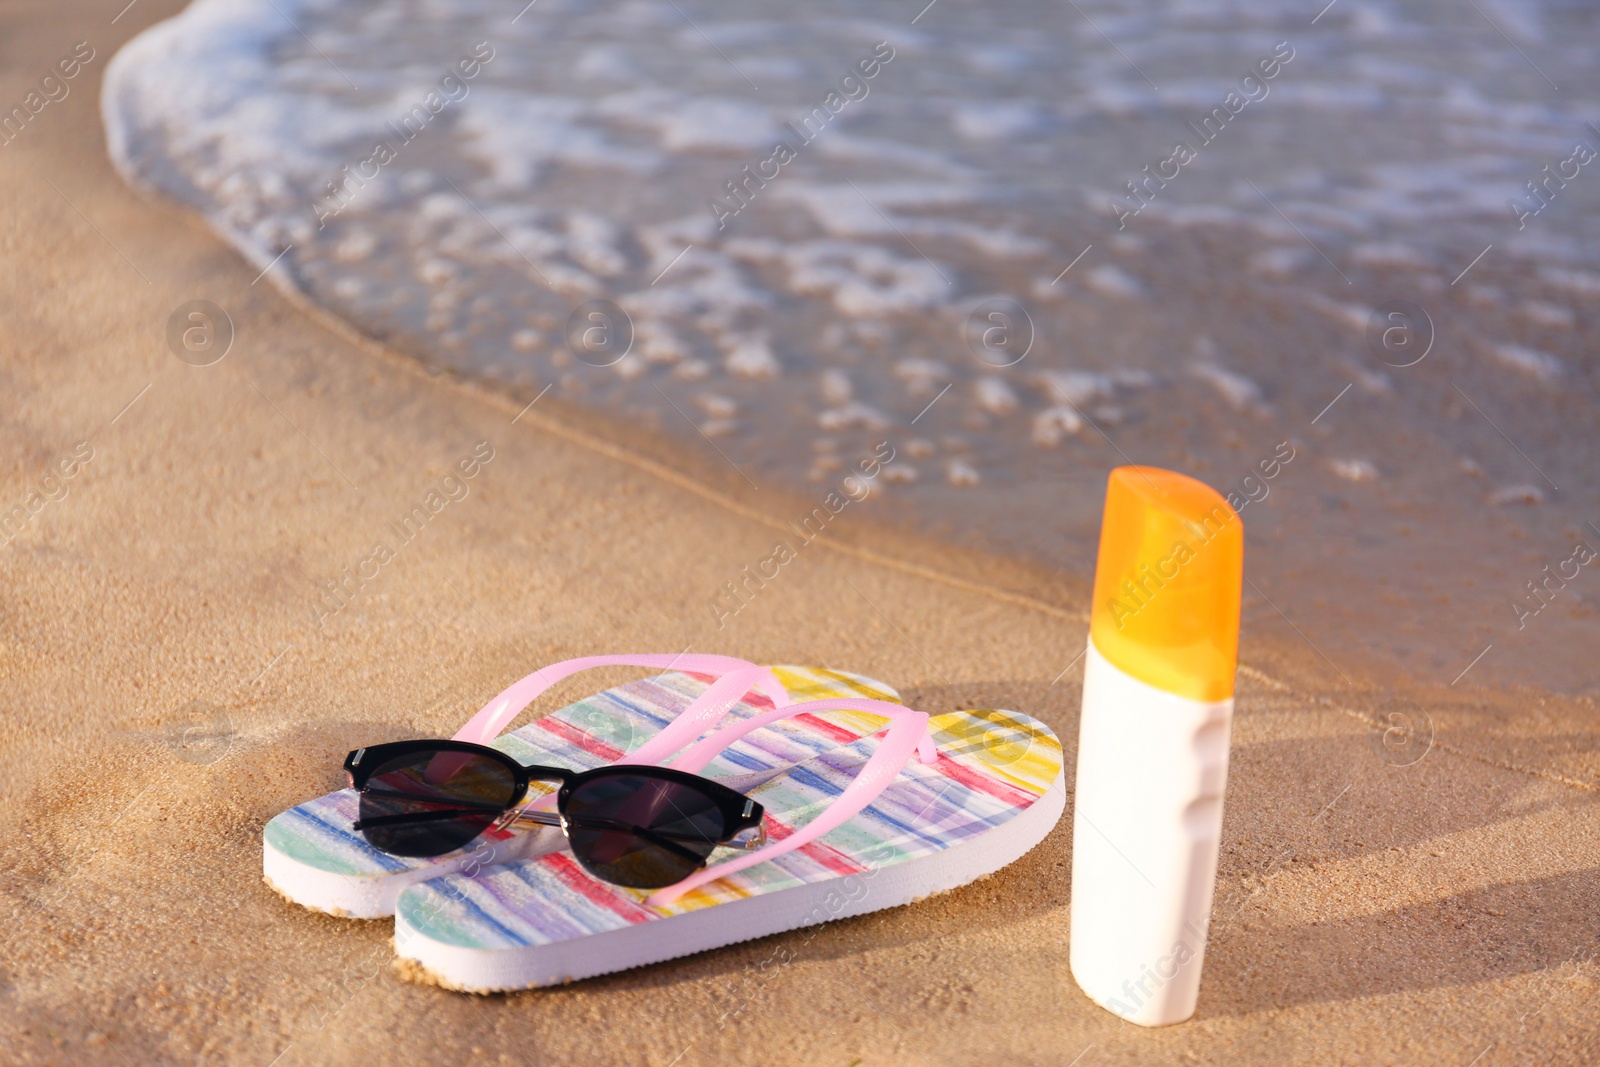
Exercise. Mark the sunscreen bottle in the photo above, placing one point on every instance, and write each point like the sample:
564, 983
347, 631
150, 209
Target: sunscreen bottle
1153, 742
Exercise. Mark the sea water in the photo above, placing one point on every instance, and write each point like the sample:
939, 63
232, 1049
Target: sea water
1339, 260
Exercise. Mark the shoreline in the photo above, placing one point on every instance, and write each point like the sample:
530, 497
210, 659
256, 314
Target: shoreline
169, 690
1376, 508
616, 439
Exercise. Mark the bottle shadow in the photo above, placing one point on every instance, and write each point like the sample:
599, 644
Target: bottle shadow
1481, 935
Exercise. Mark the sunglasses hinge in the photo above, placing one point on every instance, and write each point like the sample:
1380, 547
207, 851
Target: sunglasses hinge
749, 840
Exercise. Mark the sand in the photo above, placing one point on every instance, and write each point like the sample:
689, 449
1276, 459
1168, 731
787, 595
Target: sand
168, 688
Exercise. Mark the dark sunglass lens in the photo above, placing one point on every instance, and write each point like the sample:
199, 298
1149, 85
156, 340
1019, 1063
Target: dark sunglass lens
639, 831
433, 801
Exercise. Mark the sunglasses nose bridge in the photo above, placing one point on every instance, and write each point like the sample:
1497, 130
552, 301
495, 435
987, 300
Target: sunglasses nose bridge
537, 818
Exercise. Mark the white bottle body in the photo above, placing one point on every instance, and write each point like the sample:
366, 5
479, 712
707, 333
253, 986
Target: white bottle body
1147, 822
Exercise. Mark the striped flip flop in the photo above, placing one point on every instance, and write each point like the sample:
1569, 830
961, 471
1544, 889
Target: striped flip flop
986, 790
312, 856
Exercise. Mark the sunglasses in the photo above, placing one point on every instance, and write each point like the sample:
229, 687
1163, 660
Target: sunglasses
637, 826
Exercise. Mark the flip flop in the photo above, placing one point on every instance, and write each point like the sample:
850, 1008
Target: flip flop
311, 856
858, 828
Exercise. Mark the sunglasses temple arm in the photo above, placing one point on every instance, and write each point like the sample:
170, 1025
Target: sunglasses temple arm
902, 739
496, 715
666, 841
695, 758
412, 817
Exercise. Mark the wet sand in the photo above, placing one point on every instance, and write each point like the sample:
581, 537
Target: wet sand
1366, 911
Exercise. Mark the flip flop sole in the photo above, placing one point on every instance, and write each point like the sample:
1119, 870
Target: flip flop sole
996, 791
312, 857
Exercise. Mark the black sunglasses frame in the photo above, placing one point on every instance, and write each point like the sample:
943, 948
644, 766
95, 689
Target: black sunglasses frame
740, 814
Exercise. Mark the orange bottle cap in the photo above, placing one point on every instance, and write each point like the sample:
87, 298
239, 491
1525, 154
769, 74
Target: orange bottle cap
1167, 586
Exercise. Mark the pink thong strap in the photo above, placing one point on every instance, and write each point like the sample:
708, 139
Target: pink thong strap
738, 677
906, 733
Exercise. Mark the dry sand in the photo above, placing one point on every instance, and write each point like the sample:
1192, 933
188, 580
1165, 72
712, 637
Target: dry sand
1366, 912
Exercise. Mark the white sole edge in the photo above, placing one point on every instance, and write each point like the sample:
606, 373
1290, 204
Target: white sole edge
373, 897
475, 970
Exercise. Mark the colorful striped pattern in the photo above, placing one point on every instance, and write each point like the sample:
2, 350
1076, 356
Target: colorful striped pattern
589, 733
991, 766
